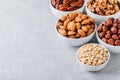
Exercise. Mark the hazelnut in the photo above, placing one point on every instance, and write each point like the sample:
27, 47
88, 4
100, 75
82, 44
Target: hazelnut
101, 34
100, 28
111, 41
114, 30
119, 36
117, 42
116, 20
104, 39
118, 26
109, 22
115, 25
119, 31
105, 28
107, 36
108, 32
114, 36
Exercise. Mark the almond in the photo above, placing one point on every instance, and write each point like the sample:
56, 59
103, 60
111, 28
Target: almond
71, 26
81, 32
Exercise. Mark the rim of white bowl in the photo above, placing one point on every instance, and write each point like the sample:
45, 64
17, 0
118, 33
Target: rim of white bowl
75, 38
101, 15
99, 37
90, 65
66, 11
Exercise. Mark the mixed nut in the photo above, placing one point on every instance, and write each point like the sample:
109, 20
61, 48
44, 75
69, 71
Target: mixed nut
67, 5
75, 25
103, 7
93, 54
109, 31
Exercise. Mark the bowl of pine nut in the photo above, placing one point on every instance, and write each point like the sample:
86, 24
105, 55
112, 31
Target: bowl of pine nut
92, 56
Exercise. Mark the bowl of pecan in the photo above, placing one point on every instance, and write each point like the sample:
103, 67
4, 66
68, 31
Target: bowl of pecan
75, 28
92, 56
108, 34
101, 10
61, 7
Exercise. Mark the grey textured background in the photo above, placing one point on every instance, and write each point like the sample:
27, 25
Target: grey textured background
31, 50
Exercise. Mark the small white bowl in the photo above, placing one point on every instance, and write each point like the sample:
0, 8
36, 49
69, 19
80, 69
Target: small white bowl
59, 13
99, 18
112, 49
75, 42
93, 68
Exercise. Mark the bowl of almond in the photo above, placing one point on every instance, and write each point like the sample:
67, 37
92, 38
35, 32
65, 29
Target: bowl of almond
92, 56
75, 28
100, 10
62, 7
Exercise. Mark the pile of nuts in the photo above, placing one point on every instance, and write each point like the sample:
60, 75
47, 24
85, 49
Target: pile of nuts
93, 54
103, 7
75, 25
109, 31
67, 5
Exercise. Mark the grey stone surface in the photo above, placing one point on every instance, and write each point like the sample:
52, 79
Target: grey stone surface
31, 50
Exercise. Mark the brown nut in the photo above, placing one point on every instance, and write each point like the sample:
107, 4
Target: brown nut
104, 39
101, 34
115, 25
71, 33
81, 32
108, 32
100, 28
90, 31
105, 28
71, 26
111, 41
114, 30
119, 31
119, 26
84, 28
114, 36
62, 32
107, 36
117, 42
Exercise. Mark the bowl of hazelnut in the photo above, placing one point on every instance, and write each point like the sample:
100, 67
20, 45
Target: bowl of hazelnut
100, 10
108, 34
92, 56
75, 28
61, 7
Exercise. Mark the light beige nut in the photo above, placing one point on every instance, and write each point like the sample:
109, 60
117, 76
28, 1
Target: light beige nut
63, 18
84, 22
71, 26
66, 22
63, 27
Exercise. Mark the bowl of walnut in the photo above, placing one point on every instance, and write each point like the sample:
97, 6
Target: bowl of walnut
100, 10
93, 57
108, 34
75, 28
61, 7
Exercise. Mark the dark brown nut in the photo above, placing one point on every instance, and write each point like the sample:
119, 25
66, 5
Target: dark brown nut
114, 30
105, 28
119, 36
119, 26
114, 36
116, 20
117, 42
101, 34
100, 28
111, 41
67, 1
63, 7
104, 39
109, 22
108, 36
108, 32
115, 25
119, 31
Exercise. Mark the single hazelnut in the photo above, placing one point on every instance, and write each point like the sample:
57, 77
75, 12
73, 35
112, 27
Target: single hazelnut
108, 32
114, 36
117, 42
116, 20
111, 41
101, 34
119, 26
105, 28
114, 30
119, 31
115, 25
100, 28
104, 40
107, 36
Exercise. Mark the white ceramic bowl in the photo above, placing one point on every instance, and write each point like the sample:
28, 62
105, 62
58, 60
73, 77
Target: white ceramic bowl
93, 68
112, 49
59, 13
75, 42
99, 18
